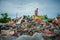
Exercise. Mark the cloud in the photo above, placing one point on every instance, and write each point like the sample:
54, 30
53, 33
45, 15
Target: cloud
27, 7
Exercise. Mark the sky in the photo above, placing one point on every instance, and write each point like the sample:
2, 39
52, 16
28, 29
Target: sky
27, 7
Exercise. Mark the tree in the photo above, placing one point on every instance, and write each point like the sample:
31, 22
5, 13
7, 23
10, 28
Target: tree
4, 18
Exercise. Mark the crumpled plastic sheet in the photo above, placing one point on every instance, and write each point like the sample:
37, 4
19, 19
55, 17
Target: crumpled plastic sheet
36, 36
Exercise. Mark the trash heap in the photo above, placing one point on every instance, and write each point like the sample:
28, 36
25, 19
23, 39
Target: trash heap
30, 25
27, 25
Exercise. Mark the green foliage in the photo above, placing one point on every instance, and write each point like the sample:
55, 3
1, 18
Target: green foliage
4, 18
43, 17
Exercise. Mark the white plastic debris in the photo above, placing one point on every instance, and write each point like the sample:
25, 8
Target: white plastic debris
36, 36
